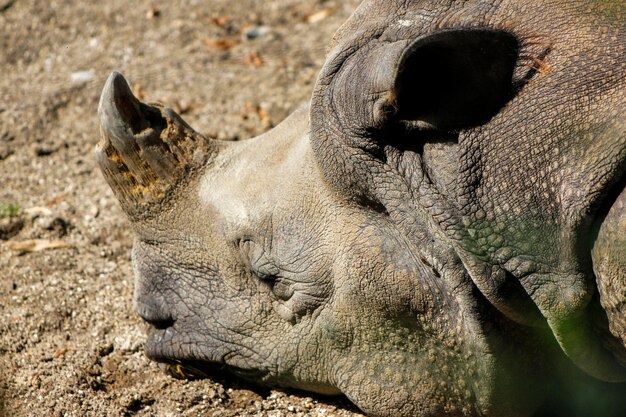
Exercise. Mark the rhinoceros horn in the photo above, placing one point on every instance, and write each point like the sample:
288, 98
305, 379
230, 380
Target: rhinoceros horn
145, 151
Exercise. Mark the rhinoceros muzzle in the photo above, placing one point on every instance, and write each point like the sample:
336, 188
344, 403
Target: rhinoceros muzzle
187, 367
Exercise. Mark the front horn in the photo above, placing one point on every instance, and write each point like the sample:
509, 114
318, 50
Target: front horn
145, 151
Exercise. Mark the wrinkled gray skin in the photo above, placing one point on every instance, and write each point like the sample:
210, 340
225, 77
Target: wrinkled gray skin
442, 232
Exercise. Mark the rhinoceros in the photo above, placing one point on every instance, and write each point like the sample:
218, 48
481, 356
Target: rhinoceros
441, 231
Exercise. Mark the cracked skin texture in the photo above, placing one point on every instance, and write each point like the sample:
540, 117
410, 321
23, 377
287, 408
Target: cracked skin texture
421, 237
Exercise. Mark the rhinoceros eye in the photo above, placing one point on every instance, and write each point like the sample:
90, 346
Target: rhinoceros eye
260, 265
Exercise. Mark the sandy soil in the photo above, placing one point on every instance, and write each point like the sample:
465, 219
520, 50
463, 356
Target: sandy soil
70, 343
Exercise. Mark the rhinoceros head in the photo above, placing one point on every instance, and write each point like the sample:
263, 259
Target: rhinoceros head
419, 238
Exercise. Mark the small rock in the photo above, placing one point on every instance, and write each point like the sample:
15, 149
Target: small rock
81, 77
105, 350
255, 32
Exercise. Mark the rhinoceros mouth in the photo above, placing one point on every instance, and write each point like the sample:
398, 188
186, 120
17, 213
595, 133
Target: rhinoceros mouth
192, 370
181, 370
162, 346
179, 358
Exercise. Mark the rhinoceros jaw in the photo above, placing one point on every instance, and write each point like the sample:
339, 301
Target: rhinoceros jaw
145, 151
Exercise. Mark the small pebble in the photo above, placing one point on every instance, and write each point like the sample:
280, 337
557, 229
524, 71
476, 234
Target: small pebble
255, 32
81, 77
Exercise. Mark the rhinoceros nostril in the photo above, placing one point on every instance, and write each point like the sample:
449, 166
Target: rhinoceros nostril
162, 324
154, 312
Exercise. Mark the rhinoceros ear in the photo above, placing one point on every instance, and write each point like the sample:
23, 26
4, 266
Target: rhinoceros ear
145, 151
447, 80
456, 78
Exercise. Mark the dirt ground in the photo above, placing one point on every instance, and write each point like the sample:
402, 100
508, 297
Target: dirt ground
70, 343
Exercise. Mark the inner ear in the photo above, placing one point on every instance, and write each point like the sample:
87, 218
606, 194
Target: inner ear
456, 79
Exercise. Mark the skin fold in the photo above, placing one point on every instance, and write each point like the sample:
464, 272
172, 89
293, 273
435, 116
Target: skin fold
439, 232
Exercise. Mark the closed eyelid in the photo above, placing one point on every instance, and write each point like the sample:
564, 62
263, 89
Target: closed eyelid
257, 258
